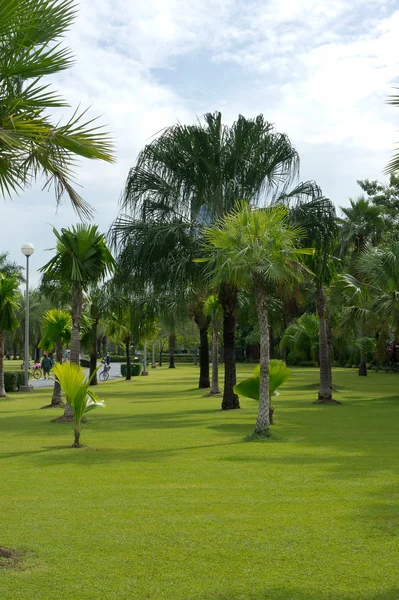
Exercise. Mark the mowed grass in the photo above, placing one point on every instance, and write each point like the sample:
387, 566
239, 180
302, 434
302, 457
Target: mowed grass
169, 500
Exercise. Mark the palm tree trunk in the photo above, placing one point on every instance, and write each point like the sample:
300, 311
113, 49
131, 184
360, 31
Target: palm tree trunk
325, 390
160, 353
128, 360
228, 301
56, 399
93, 355
263, 420
76, 430
204, 381
215, 359
363, 358
77, 303
2, 388
172, 344
14, 351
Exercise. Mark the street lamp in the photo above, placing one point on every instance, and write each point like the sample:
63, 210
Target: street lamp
27, 250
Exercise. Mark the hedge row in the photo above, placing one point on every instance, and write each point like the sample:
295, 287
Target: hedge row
179, 358
13, 380
135, 369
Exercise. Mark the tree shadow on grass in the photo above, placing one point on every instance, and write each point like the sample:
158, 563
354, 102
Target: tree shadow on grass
294, 593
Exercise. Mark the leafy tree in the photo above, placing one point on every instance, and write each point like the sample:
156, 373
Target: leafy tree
385, 197
10, 268
190, 176
56, 333
8, 316
81, 260
256, 250
80, 397
30, 144
213, 310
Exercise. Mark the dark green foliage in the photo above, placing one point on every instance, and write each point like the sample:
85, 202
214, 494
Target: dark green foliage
135, 369
114, 358
11, 381
179, 358
84, 362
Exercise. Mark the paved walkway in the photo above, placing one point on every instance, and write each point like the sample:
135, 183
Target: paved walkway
114, 373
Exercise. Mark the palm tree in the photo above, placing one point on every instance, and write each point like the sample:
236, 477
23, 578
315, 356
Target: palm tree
190, 176
363, 223
30, 144
80, 397
56, 333
257, 250
393, 166
379, 268
82, 259
8, 316
318, 220
214, 312
302, 337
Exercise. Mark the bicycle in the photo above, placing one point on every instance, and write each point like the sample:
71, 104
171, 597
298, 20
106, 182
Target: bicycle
104, 375
34, 370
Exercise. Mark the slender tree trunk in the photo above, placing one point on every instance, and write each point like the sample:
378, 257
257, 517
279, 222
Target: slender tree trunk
14, 351
56, 399
76, 430
93, 355
204, 381
128, 360
172, 344
325, 390
215, 358
363, 358
160, 354
77, 303
263, 420
228, 301
2, 388
37, 354
104, 343
153, 365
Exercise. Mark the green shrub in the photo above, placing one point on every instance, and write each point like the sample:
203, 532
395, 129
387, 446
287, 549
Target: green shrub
20, 378
11, 381
117, 358
180, 358
135, 369
85, 363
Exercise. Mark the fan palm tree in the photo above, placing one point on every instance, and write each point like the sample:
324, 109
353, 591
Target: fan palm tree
393, 166
363, 224
56, 333
8, 316
379, 268
302, 337
257, 250
30, 144
318, 219
82, 259
189, 177
213, 310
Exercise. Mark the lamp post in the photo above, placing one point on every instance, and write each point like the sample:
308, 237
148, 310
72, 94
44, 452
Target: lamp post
27, 250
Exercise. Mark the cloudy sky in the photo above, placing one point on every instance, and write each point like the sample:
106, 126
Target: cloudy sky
321, 70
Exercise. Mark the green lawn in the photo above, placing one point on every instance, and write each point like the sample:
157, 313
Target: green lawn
169, 500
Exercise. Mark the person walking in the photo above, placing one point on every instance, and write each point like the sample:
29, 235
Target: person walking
108, 359
47, 363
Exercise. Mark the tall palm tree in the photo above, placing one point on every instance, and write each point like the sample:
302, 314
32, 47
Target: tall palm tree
56, 333
190, 176
393, 166
257, 250
30, 144
318, 219
214, 312
363, 223
82, 259
8, 316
